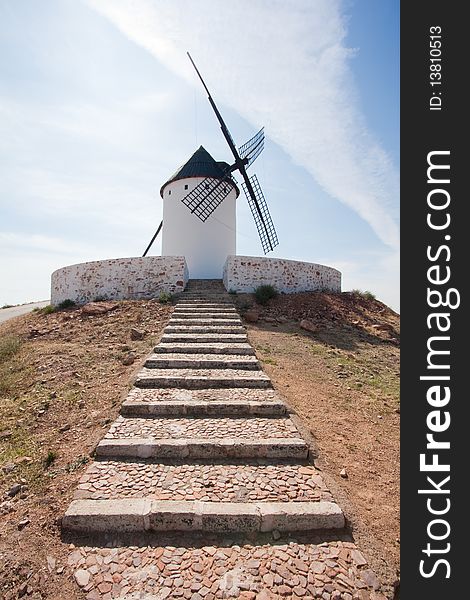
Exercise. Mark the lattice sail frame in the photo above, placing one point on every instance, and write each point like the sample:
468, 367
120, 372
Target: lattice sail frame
206, 196
252, 148
263, 221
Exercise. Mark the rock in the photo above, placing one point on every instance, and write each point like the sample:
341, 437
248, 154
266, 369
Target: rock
358, 558
8, 467
51, 563
64, 428
82, 577
128, 359
370, 578
22, 524
15, 489
98, 308
308, 326
343, 473
276, 534
137, 334
23, 459
5, 434
252, 315
270, 319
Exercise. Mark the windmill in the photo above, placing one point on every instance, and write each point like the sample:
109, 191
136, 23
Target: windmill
203, 199
206, 197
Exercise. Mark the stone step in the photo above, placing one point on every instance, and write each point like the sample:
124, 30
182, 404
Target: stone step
255, 428
202, 448
201, 321
213, 316
202, 361
174, 402
207, 438
216, 567
188, 308
201, 378
205, 348
142, 514
195, 304
231, 481
190, 329
204, 338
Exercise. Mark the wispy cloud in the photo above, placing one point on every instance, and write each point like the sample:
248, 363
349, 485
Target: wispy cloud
284, 64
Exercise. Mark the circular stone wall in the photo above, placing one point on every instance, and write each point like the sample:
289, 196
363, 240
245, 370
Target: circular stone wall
119, 279
246, 273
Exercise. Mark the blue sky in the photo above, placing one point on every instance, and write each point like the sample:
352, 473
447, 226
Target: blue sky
99, 106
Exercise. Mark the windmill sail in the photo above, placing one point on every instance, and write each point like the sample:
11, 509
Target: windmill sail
252, 148
206, 197
259, 210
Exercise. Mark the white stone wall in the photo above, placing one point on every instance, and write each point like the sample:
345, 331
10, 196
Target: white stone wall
119, 279
205, 245
246, 273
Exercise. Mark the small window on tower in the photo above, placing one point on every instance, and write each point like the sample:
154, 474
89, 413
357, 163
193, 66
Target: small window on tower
186, 186
169, 192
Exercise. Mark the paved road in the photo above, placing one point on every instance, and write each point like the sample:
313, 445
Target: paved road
15, 311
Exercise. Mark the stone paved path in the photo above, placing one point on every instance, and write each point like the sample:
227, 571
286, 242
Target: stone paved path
203, 487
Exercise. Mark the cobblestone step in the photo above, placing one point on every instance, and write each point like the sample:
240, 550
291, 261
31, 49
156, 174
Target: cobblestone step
176, 567
209, 402
206, 482
196, 304
142, 514
204, 428
202, 448
204, 308
203, 316
202, 361
205, 348
201, 378
199, 408
204, 321
203, 338
204, 329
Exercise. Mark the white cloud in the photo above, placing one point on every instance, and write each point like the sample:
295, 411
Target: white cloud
283, 64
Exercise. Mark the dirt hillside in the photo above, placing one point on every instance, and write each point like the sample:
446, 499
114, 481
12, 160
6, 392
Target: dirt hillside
63, 376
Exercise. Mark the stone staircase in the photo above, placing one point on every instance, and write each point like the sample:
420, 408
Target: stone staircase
204, 443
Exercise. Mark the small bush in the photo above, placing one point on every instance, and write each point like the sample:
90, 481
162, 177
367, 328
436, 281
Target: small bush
47, 310
164, 298
66, 304
367, 295
7, 306
50, 458
100, 299
264, 293
9, 345
232, 292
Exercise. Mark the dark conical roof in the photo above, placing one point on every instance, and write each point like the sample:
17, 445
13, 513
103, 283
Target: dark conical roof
201, 164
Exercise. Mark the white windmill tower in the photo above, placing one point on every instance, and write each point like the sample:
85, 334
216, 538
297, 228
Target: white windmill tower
204, 244
203, 185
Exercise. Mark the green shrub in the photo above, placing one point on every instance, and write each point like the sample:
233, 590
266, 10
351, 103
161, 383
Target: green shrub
9, 345
65, 304
100, 299
367, 295
165, 298
47, 310
232, 292
7, 306
264, 293
50, 458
